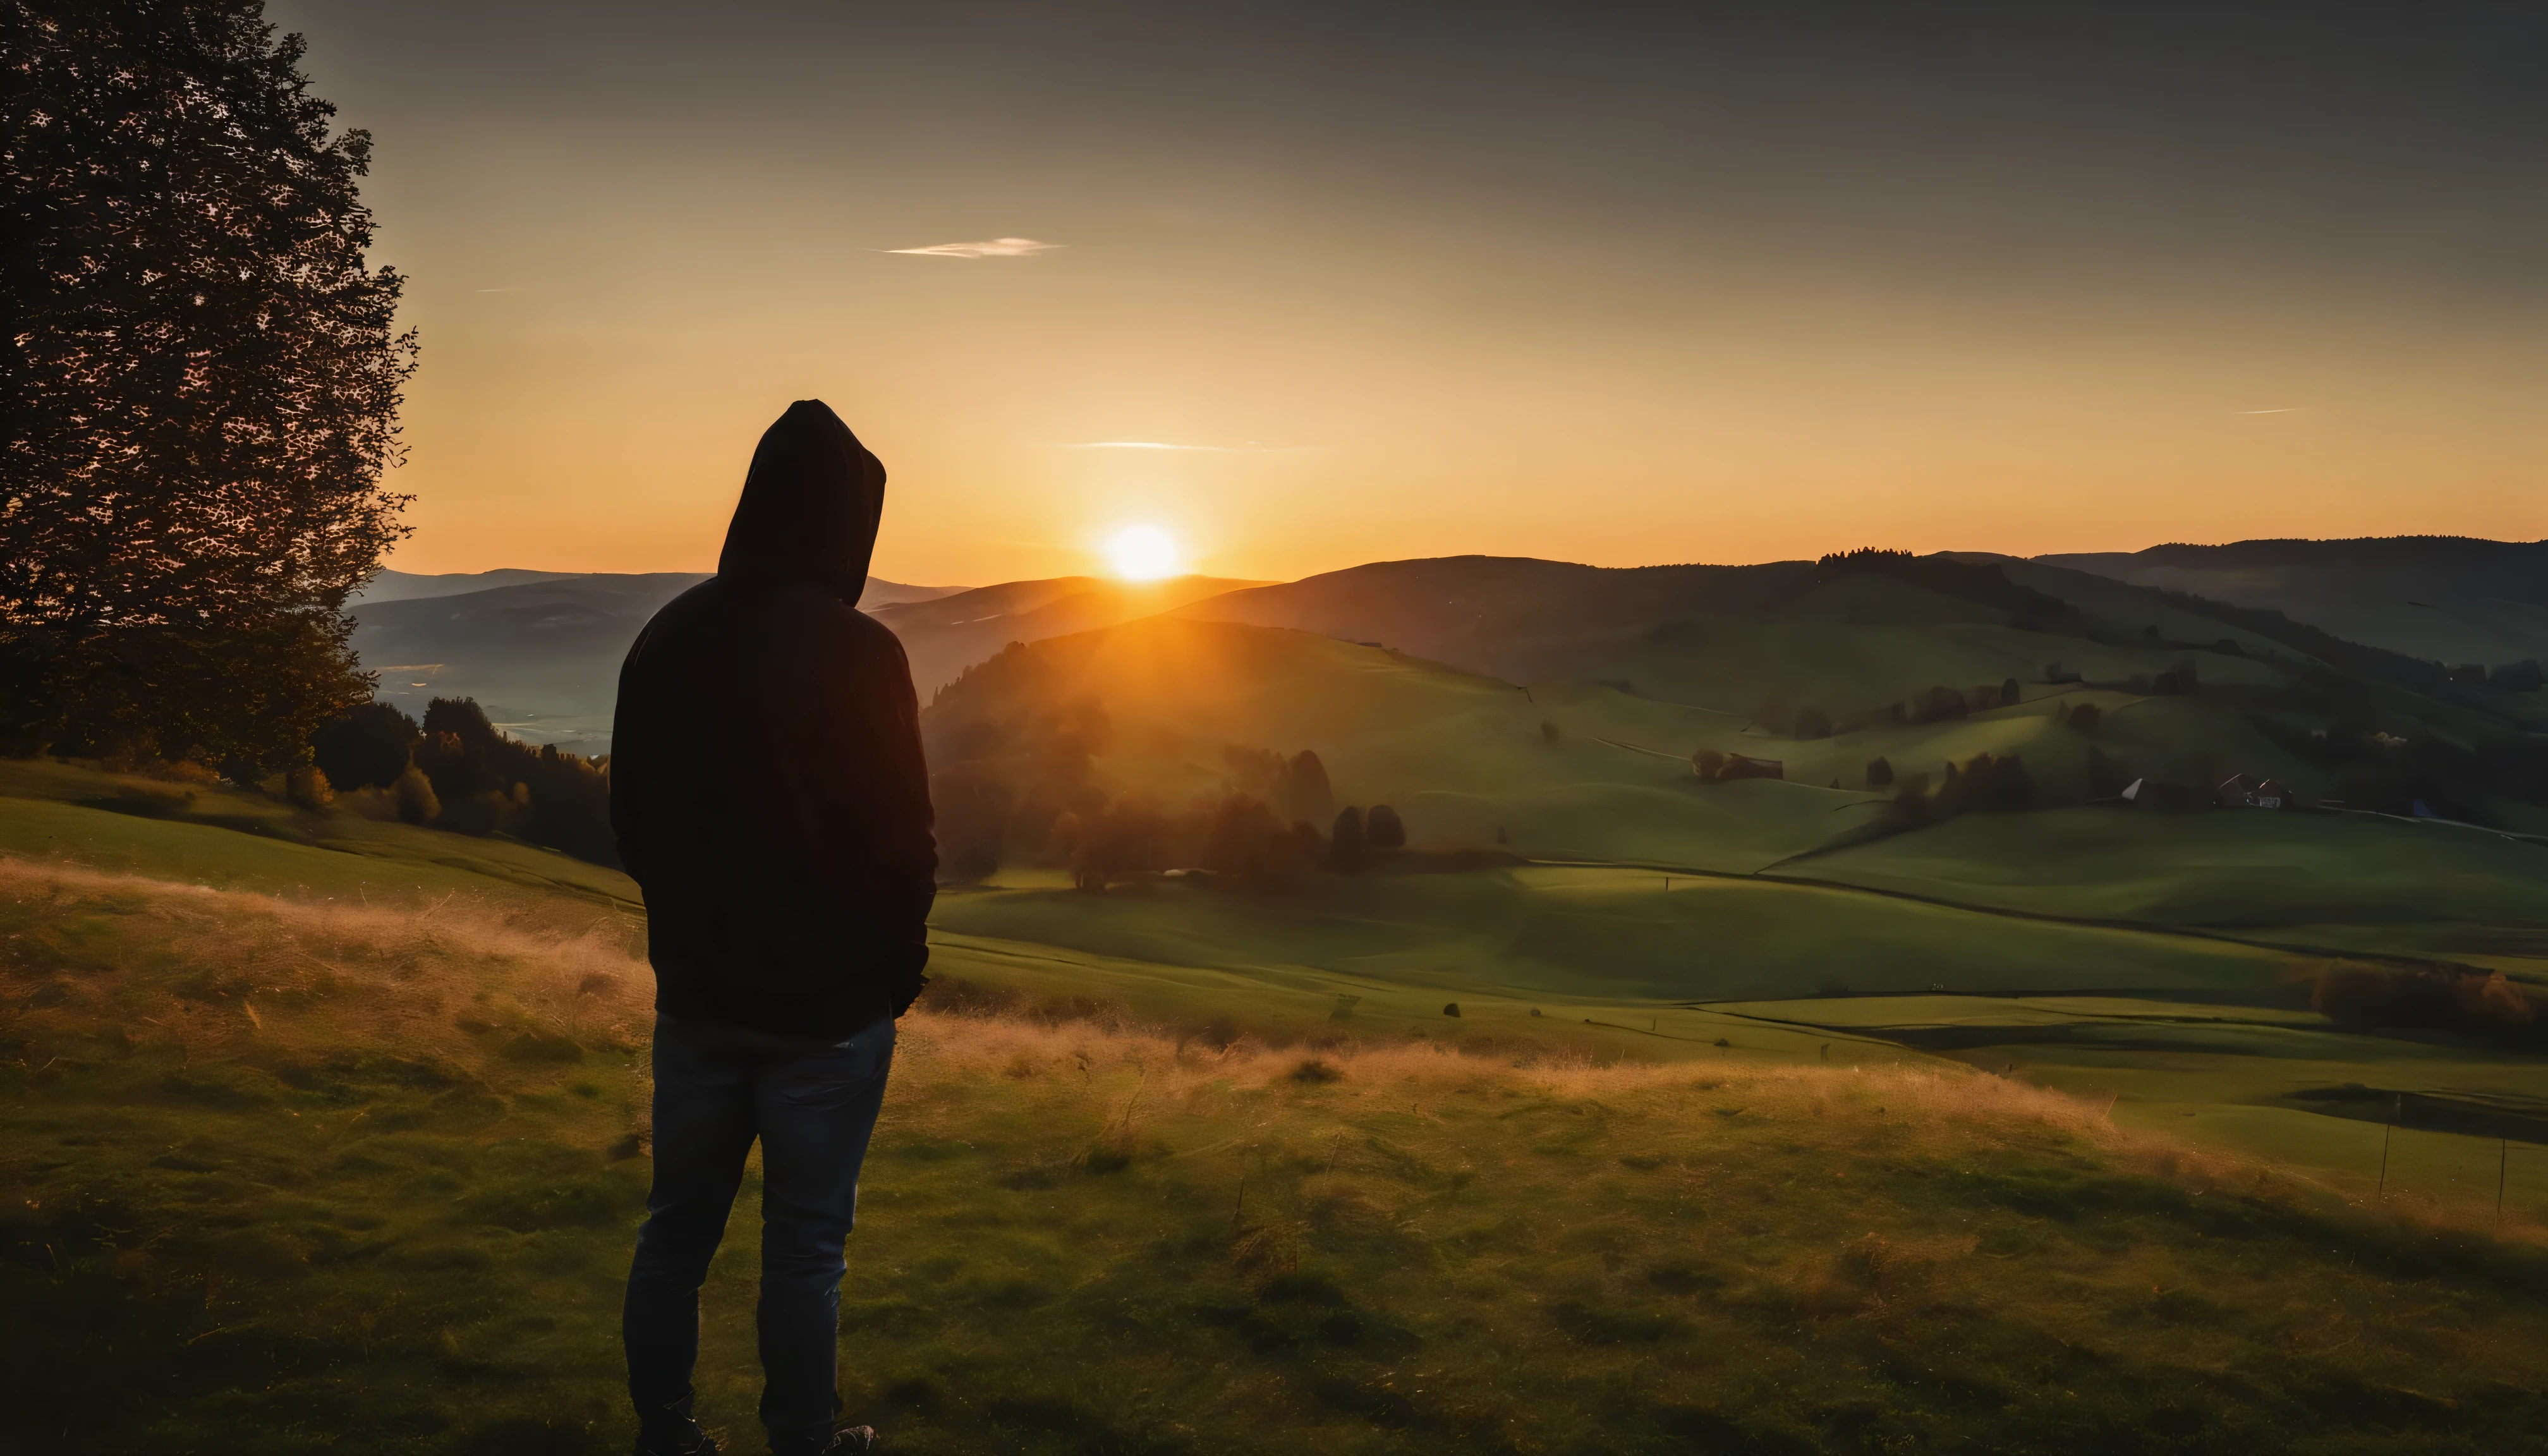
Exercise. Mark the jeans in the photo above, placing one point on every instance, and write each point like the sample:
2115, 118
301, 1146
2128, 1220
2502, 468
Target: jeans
813, 1105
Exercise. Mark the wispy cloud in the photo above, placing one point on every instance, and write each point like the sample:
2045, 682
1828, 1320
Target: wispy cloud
997, 247
1249, 448
2286, 410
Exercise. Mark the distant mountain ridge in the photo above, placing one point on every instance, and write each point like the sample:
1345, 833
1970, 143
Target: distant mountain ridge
398, 585
2449, 599
541, 650
946, 635
1517, 617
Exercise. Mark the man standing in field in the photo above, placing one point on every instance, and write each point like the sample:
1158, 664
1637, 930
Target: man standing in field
769, 794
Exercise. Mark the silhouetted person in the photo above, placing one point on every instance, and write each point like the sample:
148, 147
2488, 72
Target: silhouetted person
769, 794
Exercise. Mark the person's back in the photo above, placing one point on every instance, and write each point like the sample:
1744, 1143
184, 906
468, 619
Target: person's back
769, 797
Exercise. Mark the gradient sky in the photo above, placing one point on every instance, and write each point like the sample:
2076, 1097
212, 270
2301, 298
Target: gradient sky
1615, 284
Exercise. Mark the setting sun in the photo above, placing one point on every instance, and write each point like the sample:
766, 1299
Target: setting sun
1142, 554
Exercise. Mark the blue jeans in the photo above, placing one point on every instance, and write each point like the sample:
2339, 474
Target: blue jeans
814, 1107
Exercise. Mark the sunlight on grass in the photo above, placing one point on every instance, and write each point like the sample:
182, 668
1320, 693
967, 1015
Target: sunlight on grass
278, 1170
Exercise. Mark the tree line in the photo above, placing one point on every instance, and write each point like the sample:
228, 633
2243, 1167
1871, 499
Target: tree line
1023, 790
457, 772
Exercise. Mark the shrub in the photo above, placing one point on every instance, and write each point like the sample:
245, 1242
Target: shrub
417, 803
1811, 722
2382, 997
308, 788
1880, 773
1986, 785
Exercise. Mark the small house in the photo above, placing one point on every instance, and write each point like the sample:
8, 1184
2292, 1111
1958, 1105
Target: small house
2238, 791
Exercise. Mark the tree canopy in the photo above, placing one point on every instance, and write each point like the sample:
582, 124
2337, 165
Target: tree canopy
199, 385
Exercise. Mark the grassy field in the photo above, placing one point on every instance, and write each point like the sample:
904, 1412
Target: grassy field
293, 1174
1599, 960
2352, 882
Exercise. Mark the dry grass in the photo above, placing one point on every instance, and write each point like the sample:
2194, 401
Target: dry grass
297, 1152
465, 979
224, 965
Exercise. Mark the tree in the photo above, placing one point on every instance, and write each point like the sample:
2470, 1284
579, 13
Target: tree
1345, 842
1382, 829
199, 387
1811, 722
1303, 792
1240, 840
369, 747
1880, 773
973, 804
2009, 694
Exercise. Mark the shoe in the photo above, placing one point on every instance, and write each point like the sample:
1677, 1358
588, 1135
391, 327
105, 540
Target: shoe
848, 1442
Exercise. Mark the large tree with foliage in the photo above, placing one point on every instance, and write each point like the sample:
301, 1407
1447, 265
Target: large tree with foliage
199, 385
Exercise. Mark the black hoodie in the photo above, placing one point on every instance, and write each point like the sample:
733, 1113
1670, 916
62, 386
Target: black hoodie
766, 777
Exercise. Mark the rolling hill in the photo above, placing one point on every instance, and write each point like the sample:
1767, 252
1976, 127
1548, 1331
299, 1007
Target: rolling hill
539, 649
2441, 598
946, 635
326, 1129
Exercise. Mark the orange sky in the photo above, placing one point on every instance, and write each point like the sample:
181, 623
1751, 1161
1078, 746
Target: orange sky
1419, 318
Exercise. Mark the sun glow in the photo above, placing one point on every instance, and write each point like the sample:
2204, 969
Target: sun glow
1142, 554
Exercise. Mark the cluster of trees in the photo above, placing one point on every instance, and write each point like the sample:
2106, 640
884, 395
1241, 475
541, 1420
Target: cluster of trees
1356, 835
1244, 842
1937, 705
1983, 784
1023, 790
1978, 581
2434, 997
198, 390
457, 772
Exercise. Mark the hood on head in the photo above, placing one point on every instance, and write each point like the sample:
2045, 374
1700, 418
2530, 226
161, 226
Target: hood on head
809, 506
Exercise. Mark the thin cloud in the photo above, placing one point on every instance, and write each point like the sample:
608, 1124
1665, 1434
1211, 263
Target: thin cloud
2288, 410
1250, 448
997, 247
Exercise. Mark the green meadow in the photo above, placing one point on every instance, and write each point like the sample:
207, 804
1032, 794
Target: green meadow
322, 1125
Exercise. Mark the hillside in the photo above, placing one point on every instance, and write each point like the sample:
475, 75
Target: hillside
1565, 850
398, 585
541, 657
308, 1138
1850, 638
539, 649
2441, 598
1516, 617
944, 636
